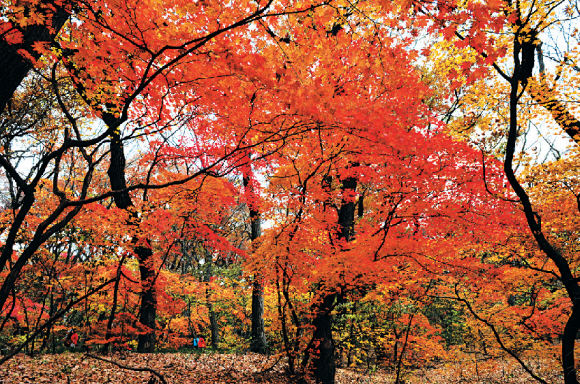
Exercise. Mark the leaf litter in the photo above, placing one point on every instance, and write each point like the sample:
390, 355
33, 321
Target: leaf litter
179, 368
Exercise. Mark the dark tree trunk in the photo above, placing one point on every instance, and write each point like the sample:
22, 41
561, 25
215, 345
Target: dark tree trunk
324, 363
109, 334
148, 310
144, 255
214, 327
116, 173
568, 341
520, 77
13, 67
346, 213
51, 312
213, 323
258, 343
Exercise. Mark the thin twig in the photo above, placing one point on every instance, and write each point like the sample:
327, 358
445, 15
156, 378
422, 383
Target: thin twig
498, 338
281, 355
150, 370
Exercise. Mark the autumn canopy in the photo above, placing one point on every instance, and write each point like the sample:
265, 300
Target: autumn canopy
341, 184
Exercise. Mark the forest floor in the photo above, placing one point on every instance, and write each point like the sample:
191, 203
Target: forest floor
248, 369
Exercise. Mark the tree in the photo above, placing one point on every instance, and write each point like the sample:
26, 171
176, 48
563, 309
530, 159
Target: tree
529, 25
258, 337
120, 78
138, 116
411, 177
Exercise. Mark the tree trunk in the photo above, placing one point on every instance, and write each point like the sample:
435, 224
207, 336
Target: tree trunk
568, 341
520, 77
258, 342
116, 172
213, 323
109, 334
324, 364
51, 312
214, 327
144, 255
148, 310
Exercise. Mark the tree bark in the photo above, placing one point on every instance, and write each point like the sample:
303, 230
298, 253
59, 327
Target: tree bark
324, 362
147, 312
214, 327
568, 341
258, 342
213, 323
148, 309
109, 334
520, 77
116, 173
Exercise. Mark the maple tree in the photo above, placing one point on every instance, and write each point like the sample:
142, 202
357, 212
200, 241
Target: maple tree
149, 135
259, 343
528, 25
398, 229
123, 91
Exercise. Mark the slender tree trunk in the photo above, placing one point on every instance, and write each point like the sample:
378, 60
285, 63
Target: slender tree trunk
144, 255
148, 310
214, 327
51, 312
520, 78
109, 334
258, 342
213, 323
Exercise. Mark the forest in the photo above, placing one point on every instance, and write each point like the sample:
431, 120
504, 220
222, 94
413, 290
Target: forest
289, 191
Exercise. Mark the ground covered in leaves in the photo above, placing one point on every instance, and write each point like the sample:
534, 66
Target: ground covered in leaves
248, 368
